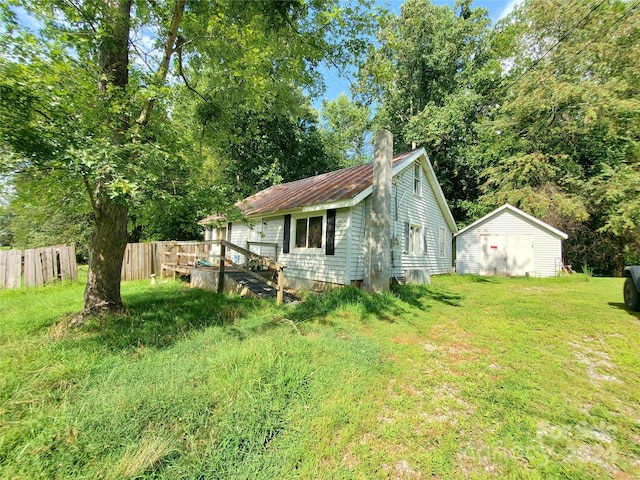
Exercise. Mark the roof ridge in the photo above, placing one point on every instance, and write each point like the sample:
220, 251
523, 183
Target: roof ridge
333, 186
395, 159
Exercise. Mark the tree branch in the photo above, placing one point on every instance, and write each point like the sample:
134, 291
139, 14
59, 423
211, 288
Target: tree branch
94, 205
82, 14
179, 46
163, 70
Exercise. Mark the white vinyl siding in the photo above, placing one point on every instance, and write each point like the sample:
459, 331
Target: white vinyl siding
358, 240
425, 212
240, 233
406, 208
313, 263
547, 248
351, 236
304, 263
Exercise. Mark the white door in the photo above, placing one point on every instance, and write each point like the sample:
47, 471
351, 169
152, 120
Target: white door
506, 255
519, 255
493, 255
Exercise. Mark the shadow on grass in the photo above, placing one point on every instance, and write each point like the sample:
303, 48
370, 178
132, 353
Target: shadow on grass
385, 307
622, 306
471, 278
420, 296
158, 318
322, 305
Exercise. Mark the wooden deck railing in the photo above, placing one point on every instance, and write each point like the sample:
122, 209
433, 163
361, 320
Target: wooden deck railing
181, 257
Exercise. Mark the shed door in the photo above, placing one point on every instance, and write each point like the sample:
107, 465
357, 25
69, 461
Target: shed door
506, 255
493, 255
519, 255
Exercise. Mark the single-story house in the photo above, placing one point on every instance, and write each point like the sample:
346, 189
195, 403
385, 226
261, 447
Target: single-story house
356, 226
509, 242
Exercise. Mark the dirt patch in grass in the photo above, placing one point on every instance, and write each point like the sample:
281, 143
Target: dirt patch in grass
465, 352
457, 351
401, 470
600, 367
473, 460
582, 443
450, 407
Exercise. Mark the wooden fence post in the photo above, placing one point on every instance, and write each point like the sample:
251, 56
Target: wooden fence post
223, 251
280, 292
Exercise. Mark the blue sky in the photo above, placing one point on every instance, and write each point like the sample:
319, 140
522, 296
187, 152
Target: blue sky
497, 10
334, 83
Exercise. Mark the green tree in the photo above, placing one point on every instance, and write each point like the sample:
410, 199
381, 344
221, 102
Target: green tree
6, 194
570, 103
348, 130
252, 119
79, 96
268, 150
433, 77
48, 210
78, 104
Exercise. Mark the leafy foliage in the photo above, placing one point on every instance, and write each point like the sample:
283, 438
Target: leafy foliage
348, 130
433, 75
540, 112
87, 95
564, 142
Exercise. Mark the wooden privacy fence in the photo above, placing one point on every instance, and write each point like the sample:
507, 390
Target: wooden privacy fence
10, 268
39, 266
141, 260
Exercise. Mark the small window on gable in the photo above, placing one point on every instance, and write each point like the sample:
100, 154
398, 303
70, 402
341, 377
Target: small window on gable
417, 178
441, 242
309, 232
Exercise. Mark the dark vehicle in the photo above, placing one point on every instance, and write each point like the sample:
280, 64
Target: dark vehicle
632, 287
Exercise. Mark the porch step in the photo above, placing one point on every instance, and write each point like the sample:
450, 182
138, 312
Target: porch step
258, 288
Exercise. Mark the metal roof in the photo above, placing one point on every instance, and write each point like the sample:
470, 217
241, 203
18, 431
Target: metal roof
329, 187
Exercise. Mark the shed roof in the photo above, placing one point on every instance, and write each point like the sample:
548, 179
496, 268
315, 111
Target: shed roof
518, 212
337, 189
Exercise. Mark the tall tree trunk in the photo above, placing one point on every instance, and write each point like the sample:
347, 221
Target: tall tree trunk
106, 250
109, 236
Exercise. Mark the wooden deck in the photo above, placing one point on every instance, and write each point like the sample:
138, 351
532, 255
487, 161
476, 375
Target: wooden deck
181, 258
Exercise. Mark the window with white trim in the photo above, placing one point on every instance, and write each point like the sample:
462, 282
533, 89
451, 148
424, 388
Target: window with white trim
309, 232
441, 242
415, 239
417, 178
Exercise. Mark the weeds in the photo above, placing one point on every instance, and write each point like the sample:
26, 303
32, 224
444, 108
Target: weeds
145, 455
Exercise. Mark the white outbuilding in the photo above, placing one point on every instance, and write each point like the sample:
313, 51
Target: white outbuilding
509, 242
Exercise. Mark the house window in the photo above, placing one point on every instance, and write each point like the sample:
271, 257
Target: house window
441, 242
415, 240
309, 232
417, 178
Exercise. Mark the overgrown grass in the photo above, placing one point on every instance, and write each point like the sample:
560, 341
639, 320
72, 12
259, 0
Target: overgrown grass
467, 378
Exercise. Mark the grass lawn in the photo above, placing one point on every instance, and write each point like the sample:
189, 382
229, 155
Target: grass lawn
466, 378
